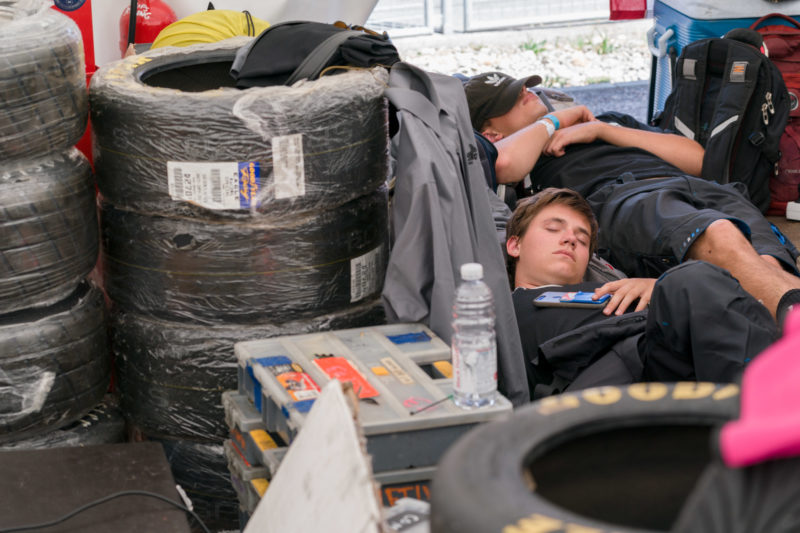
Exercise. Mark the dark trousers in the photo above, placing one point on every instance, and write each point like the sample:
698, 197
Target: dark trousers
646, 227
702, 326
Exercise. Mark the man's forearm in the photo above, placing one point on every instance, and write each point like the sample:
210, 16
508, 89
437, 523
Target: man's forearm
677, 150
517, 154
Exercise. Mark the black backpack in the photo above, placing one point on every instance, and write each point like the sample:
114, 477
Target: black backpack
730, 98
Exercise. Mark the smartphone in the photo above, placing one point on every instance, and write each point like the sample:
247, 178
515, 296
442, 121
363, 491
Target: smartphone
570, 299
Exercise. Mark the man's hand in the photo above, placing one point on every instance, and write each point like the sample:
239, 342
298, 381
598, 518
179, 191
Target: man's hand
624, 292
585, 132
518, 153
573, 115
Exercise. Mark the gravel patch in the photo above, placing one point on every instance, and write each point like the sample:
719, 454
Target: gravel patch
567, 56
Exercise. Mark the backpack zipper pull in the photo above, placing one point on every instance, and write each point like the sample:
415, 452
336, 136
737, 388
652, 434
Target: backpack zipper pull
764, 113
769, 103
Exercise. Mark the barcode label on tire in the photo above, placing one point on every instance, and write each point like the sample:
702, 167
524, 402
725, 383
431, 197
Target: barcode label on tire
365, 274
214, 185
176, 182
288, 166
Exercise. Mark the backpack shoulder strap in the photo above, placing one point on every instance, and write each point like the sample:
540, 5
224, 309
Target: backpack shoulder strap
739, 80
314, 62
684, 103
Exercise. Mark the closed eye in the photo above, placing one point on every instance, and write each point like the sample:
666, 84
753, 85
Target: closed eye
554, 226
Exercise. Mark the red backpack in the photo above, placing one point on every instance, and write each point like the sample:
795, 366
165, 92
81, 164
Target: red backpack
782, 45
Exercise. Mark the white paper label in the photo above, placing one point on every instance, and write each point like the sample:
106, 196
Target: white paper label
287, 164
364, 277
214, 185
305, 395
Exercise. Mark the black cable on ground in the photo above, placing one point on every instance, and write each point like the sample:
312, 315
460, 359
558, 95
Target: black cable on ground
99, 501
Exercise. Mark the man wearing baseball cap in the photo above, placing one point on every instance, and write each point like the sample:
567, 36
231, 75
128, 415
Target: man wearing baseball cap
500, 105
492, 94
641, 183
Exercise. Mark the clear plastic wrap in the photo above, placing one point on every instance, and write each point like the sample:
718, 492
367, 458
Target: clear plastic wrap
102, 424
172, 375
49, 236
174, 136
214, 271
43, 97
201, 469
54, 363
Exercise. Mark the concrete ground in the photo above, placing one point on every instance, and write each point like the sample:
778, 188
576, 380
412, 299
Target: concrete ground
630, 97
790, 228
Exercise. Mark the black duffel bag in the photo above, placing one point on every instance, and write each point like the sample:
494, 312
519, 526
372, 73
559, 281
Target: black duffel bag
287, 52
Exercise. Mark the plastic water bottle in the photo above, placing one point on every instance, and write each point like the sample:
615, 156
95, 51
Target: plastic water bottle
473, 345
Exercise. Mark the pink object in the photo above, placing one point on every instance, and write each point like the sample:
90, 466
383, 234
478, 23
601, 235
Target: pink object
769, 424
627, 9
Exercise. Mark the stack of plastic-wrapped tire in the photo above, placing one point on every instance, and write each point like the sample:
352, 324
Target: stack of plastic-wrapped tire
230, 215
54, 357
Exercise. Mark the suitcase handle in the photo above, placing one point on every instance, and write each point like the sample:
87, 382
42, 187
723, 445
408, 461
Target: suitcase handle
661, 49
786, 18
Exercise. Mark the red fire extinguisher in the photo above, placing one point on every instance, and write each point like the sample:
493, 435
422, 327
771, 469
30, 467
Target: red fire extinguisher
152, 16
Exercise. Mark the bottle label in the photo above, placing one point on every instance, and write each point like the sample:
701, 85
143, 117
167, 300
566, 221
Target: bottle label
475, 370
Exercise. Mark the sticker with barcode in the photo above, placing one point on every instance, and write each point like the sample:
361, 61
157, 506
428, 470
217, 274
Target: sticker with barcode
215, 185
288, 166
364, 275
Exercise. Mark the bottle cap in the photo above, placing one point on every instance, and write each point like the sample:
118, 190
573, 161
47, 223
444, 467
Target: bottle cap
471, 271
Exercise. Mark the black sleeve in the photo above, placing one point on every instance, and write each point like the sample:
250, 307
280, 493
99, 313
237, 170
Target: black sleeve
613, 117
487, 154
540, 324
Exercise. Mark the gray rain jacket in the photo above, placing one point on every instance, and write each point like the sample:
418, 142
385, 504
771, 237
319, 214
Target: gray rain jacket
441, 217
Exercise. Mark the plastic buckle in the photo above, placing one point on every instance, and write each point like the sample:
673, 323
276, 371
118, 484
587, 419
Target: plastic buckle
756, 138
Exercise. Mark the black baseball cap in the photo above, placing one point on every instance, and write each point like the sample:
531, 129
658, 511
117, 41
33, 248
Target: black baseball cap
492, 94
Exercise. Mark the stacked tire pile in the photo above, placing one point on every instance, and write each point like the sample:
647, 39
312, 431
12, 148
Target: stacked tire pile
229, 215
54, 360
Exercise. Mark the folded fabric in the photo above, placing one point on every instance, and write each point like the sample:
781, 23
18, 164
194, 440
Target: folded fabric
769, 423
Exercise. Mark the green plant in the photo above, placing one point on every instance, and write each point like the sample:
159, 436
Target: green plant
600, 79
605, 47
537, 47
554, 81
